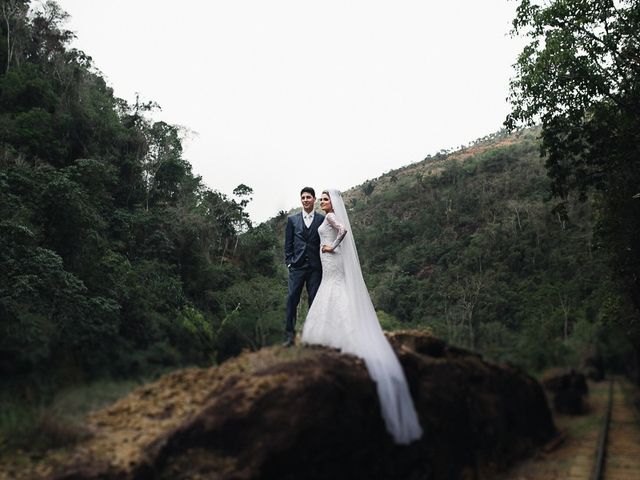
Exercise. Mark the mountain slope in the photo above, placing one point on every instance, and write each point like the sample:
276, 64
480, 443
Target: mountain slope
467, 245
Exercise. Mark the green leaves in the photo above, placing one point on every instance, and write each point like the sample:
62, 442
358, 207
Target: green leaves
114, 257
253, 315
44, 307
472, 249
580, 53
580, 77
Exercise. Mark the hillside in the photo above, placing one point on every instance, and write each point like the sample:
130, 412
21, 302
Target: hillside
468, 245
117, 263
103, 219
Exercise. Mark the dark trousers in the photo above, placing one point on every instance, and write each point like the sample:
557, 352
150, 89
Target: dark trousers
298, 277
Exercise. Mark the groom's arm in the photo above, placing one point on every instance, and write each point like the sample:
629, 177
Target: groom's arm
288, 242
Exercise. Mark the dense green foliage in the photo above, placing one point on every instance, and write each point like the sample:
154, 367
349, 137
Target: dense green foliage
114, 258
579, 75
467, 245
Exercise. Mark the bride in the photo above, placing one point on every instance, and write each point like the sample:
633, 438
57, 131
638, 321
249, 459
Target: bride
342, 316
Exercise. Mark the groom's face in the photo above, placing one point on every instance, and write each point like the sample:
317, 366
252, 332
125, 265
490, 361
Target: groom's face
308, 201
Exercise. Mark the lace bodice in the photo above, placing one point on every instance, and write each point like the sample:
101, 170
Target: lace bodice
331, 231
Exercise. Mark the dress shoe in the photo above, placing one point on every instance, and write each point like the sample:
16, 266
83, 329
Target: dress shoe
290, 341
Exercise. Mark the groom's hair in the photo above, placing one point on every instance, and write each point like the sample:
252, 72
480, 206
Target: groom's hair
308, 190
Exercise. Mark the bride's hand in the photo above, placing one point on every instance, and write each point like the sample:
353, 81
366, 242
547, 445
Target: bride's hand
327, 249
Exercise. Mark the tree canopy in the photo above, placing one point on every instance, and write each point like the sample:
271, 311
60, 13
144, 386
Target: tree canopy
579, 76
115, 259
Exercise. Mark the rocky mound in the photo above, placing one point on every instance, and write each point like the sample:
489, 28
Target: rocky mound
569, 389
311, 412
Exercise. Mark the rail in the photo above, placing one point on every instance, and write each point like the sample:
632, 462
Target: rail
598, 470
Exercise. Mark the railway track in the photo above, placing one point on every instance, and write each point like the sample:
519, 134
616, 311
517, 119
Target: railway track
620, 458
604, 445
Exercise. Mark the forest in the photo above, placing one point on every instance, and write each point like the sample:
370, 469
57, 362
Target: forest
115, 258
118, 263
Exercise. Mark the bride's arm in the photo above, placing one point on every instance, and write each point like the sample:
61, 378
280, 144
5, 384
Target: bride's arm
331, 220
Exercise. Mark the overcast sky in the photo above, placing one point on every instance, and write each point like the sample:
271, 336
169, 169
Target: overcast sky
284, 94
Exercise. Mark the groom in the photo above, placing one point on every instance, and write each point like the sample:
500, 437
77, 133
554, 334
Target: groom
302, 256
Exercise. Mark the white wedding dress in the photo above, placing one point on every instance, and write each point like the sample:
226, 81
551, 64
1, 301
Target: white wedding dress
342, 316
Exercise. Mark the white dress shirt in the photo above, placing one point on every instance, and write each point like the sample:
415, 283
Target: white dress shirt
308, 218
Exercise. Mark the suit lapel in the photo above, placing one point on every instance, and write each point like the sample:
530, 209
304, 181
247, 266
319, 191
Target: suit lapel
300, 221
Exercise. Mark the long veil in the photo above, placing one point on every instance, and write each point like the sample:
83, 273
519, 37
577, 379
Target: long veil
371, 345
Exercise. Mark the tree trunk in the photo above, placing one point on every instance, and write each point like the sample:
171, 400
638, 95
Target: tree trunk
564, 304
9, 47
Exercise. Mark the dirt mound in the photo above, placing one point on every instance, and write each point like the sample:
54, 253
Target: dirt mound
310, 412
569, 390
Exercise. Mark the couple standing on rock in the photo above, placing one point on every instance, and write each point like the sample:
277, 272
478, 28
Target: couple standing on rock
320, 252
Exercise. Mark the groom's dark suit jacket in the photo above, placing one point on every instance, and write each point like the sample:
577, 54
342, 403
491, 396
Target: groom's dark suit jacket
302, 244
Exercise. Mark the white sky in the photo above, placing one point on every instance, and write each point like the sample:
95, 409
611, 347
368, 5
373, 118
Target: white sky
284, 94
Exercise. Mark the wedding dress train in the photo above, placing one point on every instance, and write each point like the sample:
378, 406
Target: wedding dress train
342, 316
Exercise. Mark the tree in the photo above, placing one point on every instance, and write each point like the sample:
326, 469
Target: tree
367, 188
109, 245
468, 291
13, 13
579, 76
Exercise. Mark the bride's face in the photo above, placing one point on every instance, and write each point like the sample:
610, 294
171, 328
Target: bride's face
325, 203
